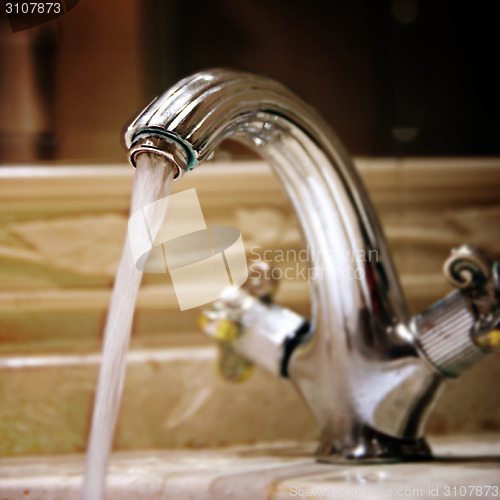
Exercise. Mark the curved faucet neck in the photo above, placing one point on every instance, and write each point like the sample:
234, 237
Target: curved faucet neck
338, 221
347, 368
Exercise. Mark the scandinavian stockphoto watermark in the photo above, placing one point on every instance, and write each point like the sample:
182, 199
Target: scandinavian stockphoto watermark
170, 236
309, 264
381, 491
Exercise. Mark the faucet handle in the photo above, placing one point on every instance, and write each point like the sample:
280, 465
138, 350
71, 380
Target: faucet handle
251, 329
471, 270
222, 321
464, 327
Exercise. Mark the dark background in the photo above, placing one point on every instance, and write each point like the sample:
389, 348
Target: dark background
402, 77
392, 77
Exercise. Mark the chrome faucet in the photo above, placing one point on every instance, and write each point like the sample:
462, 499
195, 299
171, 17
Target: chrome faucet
369, 371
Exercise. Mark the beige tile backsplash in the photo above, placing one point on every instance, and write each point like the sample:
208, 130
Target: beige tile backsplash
61, 232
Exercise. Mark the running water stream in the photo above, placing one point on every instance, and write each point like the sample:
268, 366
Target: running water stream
152, 181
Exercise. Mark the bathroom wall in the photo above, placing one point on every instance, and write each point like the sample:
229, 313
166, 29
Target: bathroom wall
61, 233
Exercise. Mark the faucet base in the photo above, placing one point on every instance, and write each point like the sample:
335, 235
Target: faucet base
370, 446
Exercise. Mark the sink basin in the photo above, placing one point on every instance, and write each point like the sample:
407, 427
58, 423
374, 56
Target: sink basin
266, 471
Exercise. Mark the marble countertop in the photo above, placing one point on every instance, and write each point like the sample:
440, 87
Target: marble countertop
467, 466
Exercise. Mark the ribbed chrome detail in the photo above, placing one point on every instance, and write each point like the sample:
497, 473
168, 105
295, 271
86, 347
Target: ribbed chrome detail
444, 335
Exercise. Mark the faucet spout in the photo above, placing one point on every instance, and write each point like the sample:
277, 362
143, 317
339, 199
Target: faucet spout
360, 369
